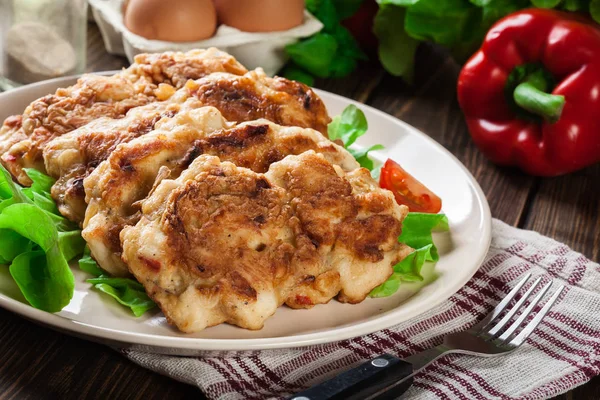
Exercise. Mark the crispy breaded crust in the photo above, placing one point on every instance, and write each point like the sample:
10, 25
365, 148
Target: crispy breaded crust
95, 96
130, 172
71, 157
225, 244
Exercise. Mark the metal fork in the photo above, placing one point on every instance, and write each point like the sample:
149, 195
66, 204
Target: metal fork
386, 376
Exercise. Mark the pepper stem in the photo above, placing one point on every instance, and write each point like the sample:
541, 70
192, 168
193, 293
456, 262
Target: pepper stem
531, 95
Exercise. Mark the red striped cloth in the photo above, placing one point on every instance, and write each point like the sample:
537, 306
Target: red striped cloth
564, 352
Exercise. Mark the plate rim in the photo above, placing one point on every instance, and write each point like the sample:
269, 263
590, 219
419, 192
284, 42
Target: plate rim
332, 335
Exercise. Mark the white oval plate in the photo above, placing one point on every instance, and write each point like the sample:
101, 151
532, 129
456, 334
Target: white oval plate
97, 317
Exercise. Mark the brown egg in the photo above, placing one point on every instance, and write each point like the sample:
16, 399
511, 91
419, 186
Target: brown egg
260, 15
173, 20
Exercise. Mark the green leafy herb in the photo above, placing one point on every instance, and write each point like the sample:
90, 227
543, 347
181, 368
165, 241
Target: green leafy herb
127, 292
396, 48
89, 265
348, 127
37, 242
545, 3
362, 156
314, 54
459, 25
42, 184
595, 10
417, 228
39, 192
346, 8
333, 52
401, 25
480, 3
450, 23
577, 5
402, 3
12, 244
416, 233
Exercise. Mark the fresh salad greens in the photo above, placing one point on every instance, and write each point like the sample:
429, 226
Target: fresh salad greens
333, 52
459, 25
400, 26
416, 228
127, 292
37, 243
416, 233
348, 127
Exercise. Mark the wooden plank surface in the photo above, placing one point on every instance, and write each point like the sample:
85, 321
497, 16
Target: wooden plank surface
568, 209
38, 363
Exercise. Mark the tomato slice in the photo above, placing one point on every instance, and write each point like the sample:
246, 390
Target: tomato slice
407, 190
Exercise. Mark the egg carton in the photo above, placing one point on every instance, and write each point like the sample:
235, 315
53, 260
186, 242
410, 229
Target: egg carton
263, 49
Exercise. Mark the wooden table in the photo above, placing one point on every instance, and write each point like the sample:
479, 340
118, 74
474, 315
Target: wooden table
38, 363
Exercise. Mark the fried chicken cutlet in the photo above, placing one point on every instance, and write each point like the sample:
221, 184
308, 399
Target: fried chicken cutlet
115, 187
223, 243
151, 77
70, 158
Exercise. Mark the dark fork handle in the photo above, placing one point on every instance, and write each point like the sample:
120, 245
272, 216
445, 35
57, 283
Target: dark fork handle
363, 381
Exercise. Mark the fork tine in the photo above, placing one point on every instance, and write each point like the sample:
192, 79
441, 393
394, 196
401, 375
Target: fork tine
515, 325
522, 337
494, 331
502, 305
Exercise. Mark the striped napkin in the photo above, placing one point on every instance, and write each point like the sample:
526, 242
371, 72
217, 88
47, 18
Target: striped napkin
562, 353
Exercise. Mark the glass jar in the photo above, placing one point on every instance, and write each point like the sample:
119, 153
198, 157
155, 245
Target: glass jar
41, 39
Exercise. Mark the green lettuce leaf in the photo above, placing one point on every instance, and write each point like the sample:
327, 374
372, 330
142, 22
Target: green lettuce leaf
396, 48
314, 54
71, 244
417, 231
578, 5
11, 245
325, 11
127, 292
37, 242
348, 54
594, 9
39, 192
333, 52
44, 278
403, 3
362, 156
11, 192
43, 275
348, 127
89, 265
42, 184
446, 22
545, 3
346, 8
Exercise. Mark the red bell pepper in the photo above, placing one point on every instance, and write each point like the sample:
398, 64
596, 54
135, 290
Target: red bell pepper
531, 94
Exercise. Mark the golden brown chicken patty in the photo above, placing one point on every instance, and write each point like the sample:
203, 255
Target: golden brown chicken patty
225, 244
129, 174
152, 77
70, 158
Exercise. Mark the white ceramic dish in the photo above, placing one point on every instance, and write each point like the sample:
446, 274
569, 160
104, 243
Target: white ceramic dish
98, 318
